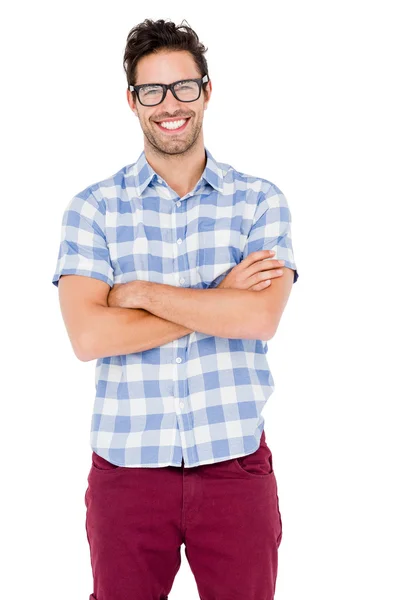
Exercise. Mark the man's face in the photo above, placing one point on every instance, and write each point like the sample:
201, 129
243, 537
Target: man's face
167, 67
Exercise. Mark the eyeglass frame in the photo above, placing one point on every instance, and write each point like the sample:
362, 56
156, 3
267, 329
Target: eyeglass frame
167, 87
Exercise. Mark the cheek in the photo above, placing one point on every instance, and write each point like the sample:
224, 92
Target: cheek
198, 119
143, 117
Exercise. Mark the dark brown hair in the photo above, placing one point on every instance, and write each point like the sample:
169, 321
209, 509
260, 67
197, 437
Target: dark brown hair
153, 36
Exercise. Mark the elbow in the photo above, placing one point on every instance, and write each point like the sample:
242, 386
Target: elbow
260, 333
269, 330
266, 335
83, 348
270, 334
84, 357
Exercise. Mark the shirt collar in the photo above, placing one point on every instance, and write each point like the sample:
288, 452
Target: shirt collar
140, 174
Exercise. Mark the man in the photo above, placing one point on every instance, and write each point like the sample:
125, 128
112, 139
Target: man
168, 275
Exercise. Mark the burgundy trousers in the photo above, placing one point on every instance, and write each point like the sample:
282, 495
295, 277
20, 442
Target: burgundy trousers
226, 514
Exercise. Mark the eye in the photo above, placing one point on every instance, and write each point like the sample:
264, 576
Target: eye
185, 84
148, 91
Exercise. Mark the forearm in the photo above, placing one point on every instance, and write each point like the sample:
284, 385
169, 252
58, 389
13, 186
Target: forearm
222, 312
110, 331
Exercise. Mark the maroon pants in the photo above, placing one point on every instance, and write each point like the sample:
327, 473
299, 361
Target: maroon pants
226, 514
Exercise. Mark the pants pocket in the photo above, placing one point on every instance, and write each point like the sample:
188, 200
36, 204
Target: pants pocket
259, 463
101, 464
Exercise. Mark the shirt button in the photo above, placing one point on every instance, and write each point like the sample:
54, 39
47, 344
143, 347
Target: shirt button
179, 241
181, 404
178, 203
181, 280
178, 360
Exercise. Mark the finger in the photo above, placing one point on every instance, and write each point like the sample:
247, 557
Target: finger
263, 276
256, 256
267, 265
261, 286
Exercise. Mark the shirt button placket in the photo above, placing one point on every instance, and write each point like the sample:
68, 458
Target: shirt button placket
181, 282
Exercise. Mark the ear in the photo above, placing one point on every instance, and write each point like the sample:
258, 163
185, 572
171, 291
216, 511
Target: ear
209, 90
131, 101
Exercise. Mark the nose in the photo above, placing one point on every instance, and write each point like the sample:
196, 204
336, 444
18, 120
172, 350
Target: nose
170, 101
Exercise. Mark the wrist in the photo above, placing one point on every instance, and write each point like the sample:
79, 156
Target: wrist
140, 294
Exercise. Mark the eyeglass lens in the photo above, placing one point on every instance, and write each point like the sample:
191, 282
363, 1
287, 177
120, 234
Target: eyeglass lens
185, 90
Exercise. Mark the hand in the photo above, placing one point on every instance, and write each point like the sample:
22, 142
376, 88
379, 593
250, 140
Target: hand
253, 273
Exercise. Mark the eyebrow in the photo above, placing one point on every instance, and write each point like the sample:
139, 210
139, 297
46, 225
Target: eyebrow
177, 81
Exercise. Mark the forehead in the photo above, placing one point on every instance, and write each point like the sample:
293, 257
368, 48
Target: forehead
165, 67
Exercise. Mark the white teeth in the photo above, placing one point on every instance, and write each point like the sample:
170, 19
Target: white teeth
172, 124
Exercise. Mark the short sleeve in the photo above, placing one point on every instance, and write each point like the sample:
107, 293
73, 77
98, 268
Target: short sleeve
83, 246
271, 229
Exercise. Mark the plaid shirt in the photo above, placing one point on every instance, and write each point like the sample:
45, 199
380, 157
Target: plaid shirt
198, 398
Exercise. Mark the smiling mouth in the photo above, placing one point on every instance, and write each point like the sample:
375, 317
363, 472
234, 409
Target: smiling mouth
170, 130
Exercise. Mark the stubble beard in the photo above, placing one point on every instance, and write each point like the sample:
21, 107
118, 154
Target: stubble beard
171, 146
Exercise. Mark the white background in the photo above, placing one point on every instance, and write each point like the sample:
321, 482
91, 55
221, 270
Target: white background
324, 127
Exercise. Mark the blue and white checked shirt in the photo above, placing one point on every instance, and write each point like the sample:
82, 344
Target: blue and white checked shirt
198, 398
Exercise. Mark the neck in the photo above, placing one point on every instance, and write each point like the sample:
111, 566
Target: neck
180, 171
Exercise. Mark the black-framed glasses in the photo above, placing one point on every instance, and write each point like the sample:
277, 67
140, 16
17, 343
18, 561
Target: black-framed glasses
184, 90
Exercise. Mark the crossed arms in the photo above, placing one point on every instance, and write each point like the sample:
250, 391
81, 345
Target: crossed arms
145, 315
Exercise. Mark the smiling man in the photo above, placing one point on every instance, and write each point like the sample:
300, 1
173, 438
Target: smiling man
171, 121
173, 273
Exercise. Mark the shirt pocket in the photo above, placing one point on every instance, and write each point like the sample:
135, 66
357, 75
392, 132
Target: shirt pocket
139, 253
218, 251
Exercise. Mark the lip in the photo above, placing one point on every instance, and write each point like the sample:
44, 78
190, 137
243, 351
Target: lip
172, 131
